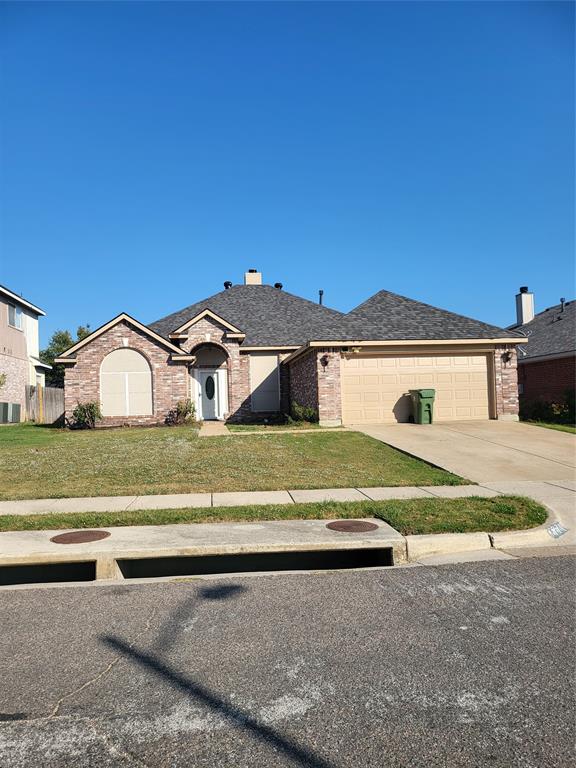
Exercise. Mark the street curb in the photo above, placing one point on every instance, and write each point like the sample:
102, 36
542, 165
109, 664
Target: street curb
425, 545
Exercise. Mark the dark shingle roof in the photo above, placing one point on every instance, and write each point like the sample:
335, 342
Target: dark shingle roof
268, 316
552, 332
388, 316
272, 317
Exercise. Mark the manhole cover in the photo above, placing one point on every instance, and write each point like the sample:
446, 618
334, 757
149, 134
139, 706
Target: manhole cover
79, 537
351, 526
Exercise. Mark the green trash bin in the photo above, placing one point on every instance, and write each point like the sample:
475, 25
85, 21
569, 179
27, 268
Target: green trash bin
422, 405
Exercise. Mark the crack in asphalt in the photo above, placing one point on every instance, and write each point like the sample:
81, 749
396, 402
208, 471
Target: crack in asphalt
56, 709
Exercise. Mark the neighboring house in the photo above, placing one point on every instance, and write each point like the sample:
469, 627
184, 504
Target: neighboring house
251, 350
19, 348
547, 364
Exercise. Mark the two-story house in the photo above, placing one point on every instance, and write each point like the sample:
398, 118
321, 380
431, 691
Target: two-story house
19, 350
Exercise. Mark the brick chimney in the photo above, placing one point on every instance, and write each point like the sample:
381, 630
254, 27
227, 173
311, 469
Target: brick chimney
524, 306
253, 277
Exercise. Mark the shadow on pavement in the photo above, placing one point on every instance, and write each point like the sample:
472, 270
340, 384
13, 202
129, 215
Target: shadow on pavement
201, 694
168, 634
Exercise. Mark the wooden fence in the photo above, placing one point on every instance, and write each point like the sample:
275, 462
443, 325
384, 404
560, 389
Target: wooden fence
44, 405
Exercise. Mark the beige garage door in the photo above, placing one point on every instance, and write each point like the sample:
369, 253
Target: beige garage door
374, 388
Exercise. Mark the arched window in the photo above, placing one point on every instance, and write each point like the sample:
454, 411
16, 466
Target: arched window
125, 384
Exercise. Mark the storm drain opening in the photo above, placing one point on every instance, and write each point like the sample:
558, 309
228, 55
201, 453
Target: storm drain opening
202, 565
47, 573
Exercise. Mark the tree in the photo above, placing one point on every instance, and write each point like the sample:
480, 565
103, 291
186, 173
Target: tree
59, 343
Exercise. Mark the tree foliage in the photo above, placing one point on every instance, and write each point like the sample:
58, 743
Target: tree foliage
59, 343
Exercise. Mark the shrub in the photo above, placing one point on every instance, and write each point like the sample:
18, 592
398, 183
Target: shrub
184, 413
304, 413
85, 415
2, 379
562, 412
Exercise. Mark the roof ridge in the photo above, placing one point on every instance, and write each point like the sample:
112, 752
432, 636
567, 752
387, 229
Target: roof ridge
385, 292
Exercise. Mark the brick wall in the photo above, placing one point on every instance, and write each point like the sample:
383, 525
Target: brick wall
547, 380
207, 331
169, 380
304, 380
329, 394
506, 382
316, 385
14, 390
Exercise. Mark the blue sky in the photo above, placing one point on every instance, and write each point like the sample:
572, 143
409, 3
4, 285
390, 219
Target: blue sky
151, 151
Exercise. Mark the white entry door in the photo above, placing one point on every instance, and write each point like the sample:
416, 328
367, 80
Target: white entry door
209, 395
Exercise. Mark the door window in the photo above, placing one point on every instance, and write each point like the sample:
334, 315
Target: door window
209, 387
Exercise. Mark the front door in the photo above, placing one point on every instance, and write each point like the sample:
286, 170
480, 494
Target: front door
209, 395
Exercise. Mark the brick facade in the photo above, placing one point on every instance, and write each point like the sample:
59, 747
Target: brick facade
208, 331
547, 380
17, 376
169, 380
312, 379
506, 382
315, 383
304, 381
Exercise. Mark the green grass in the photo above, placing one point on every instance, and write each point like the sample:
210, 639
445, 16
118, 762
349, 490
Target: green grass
559, 427
409, 516
273, 427
36, 462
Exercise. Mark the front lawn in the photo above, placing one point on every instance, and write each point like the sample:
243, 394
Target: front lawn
38, 462
274, 427
409, 516
559, 427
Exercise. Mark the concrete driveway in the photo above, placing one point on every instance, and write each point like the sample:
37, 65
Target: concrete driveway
486, 451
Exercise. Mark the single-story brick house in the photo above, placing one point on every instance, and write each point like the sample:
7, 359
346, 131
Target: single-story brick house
547, 364
251, 350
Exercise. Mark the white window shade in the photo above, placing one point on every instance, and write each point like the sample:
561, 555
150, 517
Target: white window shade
264, 382
125, 384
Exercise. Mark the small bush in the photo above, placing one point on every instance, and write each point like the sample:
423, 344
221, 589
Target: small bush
85, 415
562, 412
2, 379
184, 413
304, 413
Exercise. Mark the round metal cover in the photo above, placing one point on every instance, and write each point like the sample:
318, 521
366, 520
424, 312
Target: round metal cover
79, 537
351, 526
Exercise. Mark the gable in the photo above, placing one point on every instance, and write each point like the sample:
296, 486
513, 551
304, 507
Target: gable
68, 355
206, 314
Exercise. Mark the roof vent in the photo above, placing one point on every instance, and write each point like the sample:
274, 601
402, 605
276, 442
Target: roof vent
253, 277
524, 289
278, 285
228, 284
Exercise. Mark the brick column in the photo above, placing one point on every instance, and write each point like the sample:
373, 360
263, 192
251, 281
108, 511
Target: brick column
329, 394
506, 382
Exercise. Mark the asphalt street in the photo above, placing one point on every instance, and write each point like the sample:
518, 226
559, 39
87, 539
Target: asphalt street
460, 665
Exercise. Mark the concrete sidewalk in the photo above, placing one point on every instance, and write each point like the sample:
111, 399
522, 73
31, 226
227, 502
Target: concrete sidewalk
235, 499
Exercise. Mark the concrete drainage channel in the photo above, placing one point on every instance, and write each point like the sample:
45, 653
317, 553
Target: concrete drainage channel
279, 546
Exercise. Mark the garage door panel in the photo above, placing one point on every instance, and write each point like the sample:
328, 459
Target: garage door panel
374, 389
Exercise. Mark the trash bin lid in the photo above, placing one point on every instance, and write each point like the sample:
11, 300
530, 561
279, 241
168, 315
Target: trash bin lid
427, 392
